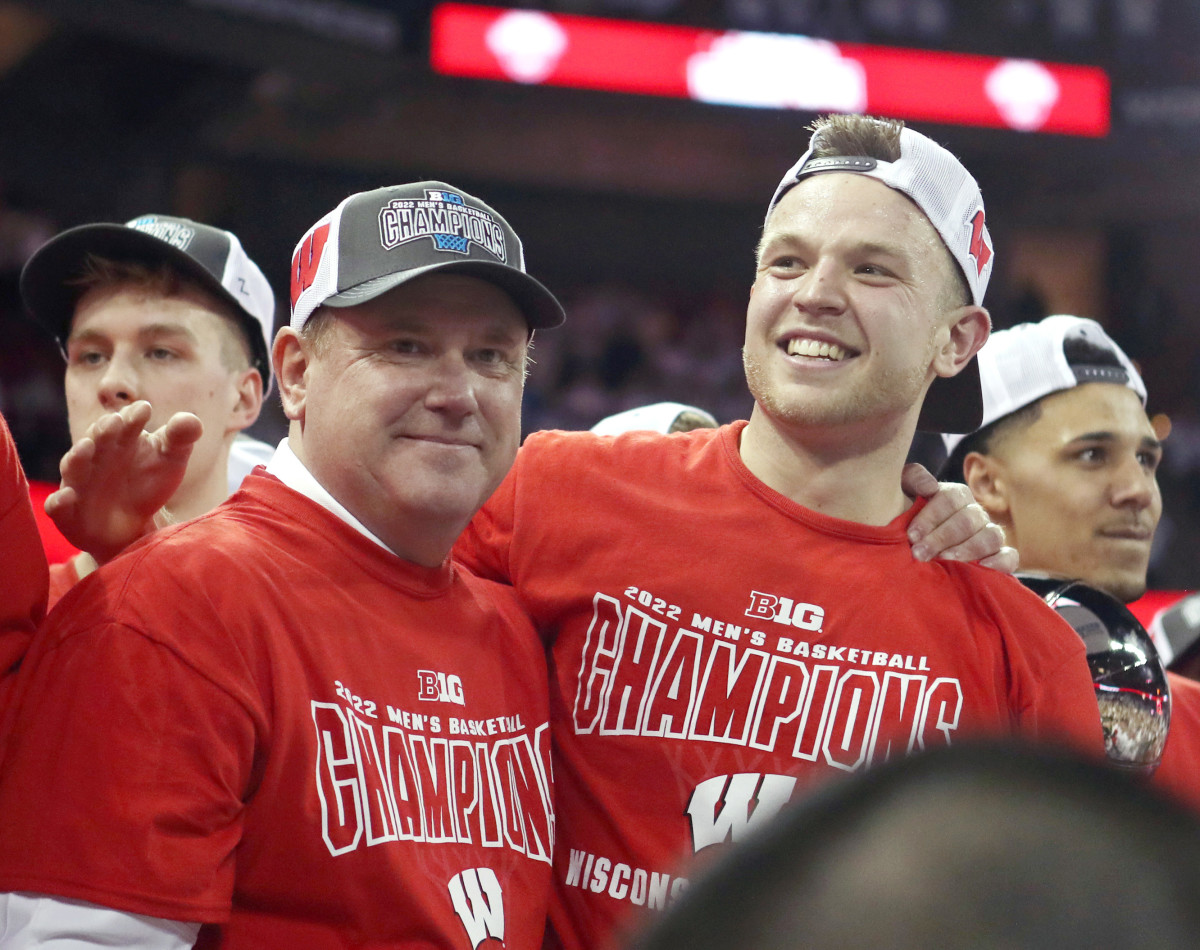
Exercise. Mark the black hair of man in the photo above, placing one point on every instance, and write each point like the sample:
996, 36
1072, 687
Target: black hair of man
1079, 353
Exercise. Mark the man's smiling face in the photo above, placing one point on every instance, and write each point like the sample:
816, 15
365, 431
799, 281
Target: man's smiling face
850, 302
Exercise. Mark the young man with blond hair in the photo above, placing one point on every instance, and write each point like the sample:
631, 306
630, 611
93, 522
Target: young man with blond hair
157, 316
735, 615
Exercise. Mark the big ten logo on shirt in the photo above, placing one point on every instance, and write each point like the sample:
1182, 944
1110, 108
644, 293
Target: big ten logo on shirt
786, 611
478, 901
648, 671
388, 774
439, 687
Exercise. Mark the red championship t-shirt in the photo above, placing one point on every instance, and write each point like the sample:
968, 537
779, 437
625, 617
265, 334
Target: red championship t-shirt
263, 721
22, 564
1179, 771
716, 649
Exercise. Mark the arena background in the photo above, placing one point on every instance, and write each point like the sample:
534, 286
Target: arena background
641, 212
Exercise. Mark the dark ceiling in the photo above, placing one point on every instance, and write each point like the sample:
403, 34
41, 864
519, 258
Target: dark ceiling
261, 114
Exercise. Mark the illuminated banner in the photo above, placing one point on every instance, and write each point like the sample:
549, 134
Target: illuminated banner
767, 70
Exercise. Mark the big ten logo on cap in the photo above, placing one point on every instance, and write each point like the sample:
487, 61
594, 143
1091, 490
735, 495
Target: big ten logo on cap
786, 611
446, 218
306, 260
440, 687
175, 233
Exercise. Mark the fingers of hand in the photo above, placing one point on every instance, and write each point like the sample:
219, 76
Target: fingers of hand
119, 429
942, 506
60, 502
915, 480
136, 414
1006, 561
180, 431
77, 462
966, 535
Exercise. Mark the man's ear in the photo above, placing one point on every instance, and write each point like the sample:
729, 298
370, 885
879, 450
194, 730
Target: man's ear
249, 400
969, 329
986, 477
290, 358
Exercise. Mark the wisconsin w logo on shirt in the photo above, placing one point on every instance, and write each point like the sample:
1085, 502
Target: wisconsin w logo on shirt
479, 903
728, 807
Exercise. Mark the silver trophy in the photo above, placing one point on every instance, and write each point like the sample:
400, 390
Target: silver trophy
1130, 679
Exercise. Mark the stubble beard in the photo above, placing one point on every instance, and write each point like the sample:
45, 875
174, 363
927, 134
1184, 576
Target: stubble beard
892, 389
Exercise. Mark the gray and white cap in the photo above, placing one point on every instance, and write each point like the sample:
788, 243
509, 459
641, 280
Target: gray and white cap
212, 257
376, 240
949, 196
1021, 365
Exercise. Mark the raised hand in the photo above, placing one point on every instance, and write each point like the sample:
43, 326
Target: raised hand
118, 477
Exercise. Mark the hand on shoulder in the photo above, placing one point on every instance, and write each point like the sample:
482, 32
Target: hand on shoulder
952, 525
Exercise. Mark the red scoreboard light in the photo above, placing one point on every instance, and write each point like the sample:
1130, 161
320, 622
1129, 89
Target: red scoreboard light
767, 70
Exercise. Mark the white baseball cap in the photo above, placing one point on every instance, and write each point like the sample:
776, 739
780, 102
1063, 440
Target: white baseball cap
212, 257
656, 417
1029, 361
939, 184
949, 196
376, 240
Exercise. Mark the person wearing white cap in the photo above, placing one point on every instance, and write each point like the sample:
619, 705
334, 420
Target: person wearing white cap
798, 609
735, 615
664, 417
160, 310
1065, 460
296, 721
1065, 456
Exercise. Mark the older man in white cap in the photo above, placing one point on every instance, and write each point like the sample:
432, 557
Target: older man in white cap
156, 316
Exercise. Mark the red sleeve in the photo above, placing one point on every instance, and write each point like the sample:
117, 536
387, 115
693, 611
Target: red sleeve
1057, 698
125, 774
1065, 709
23, 578
58, 549
484, 547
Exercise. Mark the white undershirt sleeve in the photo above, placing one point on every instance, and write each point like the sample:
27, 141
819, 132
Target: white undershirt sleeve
36, 920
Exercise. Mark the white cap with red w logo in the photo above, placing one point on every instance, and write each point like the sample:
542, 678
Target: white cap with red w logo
945, 191
939, 184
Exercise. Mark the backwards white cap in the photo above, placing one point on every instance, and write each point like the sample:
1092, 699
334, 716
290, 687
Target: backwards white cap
1021, 365
939, 184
